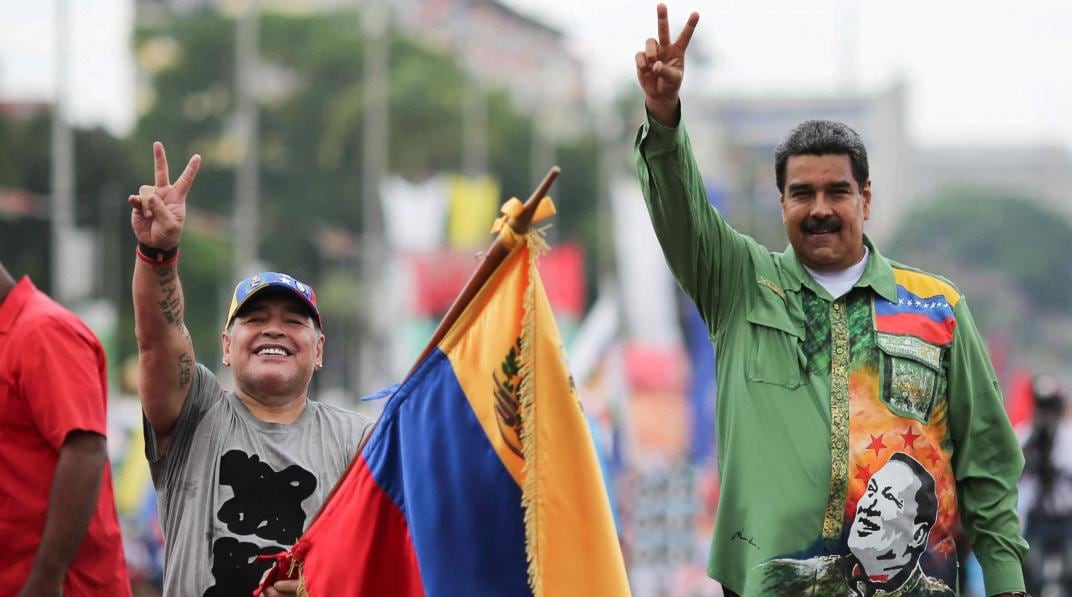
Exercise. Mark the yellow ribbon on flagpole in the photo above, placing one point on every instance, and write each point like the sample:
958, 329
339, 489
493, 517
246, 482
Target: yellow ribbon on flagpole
512, 209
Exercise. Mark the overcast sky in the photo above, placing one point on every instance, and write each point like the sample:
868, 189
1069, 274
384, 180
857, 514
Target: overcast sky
101, 69
976, 71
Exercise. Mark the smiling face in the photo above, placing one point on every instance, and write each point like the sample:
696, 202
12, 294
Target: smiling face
273, 346
824, 209
885, 535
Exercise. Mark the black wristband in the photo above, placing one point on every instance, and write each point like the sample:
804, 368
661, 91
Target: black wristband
159, 256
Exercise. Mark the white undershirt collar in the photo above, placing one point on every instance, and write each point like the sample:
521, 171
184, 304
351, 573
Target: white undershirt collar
839, 282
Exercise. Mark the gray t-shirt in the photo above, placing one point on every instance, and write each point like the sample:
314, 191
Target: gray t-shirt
231, 487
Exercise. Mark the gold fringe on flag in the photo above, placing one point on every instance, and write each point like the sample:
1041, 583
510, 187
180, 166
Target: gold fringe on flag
537, 246
303, 591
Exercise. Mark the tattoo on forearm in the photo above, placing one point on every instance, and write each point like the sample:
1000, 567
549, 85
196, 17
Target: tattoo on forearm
171, 304
186, 369
164, 271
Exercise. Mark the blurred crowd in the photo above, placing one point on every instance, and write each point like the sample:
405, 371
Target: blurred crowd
1046, 491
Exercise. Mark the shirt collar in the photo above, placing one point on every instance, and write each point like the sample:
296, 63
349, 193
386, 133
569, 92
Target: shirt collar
13, 304
878, 275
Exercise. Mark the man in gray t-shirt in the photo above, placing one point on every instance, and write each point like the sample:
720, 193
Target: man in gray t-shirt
232, 487
238, 474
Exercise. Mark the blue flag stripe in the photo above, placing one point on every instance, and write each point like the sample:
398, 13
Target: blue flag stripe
430, 454
936, 308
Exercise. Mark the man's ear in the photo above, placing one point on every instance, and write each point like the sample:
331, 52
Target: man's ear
866, 194
225, 343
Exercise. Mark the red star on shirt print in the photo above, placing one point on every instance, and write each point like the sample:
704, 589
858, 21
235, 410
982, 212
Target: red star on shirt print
943, 483
909, 438
863, 473
876, 444
933, 455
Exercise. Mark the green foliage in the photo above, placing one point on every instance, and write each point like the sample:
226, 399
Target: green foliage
25, 162
191, 103
340, 296
311, 124
310, 116
311, 110
8, 151
102, 172
24, 249
206, 267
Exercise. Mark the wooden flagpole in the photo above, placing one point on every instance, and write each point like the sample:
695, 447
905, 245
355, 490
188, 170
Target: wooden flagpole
492, 259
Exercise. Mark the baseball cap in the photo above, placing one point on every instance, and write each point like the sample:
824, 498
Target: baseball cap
254, 285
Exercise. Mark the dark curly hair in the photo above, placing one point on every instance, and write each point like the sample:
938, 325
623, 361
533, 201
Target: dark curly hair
821, 137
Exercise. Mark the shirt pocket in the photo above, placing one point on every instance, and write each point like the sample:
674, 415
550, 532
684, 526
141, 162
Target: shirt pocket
911, 375
775, 356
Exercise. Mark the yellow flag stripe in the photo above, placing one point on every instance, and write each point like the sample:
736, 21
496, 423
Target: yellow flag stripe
926, 285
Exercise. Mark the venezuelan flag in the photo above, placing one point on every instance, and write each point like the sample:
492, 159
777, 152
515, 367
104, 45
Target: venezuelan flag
480, 477
924, 308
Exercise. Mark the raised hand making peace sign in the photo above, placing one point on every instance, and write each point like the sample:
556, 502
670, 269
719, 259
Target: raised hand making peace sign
159, 212
661, 68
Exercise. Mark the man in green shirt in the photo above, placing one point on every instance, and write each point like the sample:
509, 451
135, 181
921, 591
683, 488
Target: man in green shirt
837, 368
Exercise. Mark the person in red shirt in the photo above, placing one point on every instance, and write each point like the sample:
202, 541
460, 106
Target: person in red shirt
59, 534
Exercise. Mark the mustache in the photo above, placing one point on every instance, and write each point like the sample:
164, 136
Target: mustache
869, 525
813, 225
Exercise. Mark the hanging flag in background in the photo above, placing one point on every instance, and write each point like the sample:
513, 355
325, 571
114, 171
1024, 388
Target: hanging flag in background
1020, 399
414, 213
473, 203
480, 477
701, 389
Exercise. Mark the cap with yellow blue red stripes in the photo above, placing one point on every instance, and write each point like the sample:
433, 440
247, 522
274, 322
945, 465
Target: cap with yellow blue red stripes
255, 285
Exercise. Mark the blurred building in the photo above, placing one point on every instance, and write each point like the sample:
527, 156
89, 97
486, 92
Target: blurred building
23, 110
156, 8
499, 46
504, 48
1042, 172
734, 139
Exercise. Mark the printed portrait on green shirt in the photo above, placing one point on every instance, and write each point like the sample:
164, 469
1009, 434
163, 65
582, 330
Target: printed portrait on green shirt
886, 540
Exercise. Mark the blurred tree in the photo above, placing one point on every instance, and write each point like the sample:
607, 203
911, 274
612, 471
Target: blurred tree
311, 99
24, 242
1015, 236
102, 170
1009, 256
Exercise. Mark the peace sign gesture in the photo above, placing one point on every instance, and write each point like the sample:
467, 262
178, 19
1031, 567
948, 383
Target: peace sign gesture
661, 68
159, 212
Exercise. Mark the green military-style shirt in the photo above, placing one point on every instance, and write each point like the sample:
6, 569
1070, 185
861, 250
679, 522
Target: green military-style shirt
869, 426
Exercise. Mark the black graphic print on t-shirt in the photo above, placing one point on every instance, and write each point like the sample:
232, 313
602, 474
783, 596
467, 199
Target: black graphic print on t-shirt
235, 567
267, 504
